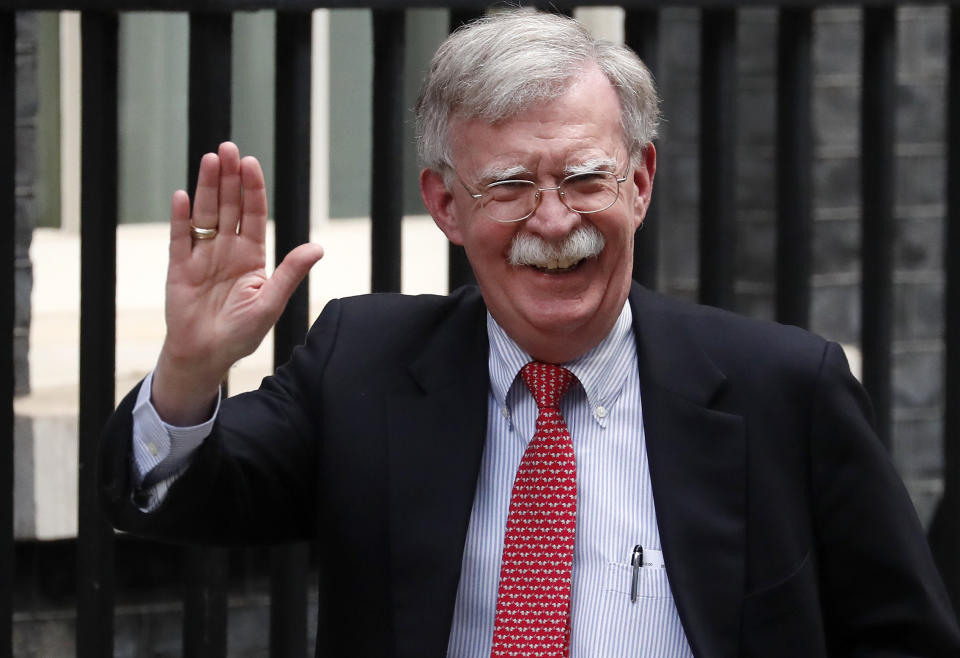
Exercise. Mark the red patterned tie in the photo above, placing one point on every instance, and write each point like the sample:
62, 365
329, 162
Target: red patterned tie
533, 604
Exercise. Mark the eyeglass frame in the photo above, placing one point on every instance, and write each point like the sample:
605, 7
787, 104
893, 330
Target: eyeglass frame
539, 195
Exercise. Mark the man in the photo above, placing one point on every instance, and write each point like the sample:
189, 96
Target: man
696, 483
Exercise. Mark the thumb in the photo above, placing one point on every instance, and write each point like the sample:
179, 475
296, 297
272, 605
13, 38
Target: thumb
289, 273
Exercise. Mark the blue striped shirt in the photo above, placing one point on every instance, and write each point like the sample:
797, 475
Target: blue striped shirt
615, 509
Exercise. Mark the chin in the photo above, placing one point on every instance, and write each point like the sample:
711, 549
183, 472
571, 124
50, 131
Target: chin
564, 320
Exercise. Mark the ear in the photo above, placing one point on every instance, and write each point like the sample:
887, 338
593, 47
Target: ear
439, 202
643, 180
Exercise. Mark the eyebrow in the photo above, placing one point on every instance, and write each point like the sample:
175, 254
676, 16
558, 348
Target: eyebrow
495, 173
594, 164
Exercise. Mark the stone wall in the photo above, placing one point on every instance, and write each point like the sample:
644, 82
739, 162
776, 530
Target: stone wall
148, 614
920, 213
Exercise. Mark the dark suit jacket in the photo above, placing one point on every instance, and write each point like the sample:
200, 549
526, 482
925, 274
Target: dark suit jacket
786, 530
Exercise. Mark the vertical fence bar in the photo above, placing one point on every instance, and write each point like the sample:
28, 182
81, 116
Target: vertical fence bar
288, 578
205, 603
642, 34
794, 158
206, 569
460, 16
945, 531
7, 310
877, 158
718, 129
386, 193
98, 246
459, 272
211, 41
952, 265
554, 7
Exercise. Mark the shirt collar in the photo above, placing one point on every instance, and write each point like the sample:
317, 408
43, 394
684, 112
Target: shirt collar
601, 371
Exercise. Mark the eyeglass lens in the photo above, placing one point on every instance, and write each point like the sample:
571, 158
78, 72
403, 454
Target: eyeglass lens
513, 200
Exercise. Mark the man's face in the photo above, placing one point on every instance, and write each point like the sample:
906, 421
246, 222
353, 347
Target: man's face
554, 313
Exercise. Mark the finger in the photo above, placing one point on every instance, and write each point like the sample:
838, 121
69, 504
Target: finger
205, 201
253, 223
230, 189
179, 226
288, 275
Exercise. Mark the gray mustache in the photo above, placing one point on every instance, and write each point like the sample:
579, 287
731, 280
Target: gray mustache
584, 242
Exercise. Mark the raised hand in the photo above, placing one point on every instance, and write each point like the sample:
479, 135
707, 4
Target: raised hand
220, 302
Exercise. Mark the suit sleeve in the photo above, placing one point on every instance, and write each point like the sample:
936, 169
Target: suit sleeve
881, 593
251, 481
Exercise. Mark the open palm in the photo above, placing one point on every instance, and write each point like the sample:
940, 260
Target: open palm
220, 303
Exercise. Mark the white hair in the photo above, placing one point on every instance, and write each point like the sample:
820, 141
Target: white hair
507, 62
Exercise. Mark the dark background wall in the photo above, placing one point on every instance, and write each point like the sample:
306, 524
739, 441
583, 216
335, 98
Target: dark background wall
920, 213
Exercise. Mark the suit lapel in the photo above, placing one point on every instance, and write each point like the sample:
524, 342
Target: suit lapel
697, 458
436, 435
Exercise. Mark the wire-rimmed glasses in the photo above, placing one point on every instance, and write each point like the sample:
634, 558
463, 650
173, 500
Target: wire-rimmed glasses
508, 201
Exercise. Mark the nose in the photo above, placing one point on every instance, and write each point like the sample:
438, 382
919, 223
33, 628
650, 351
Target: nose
552, 219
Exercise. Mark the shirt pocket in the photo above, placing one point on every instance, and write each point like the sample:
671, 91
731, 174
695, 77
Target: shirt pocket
651, 585
646, 628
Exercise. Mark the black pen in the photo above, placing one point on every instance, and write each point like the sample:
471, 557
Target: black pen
636, 561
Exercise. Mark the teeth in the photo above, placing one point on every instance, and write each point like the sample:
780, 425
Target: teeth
561, 264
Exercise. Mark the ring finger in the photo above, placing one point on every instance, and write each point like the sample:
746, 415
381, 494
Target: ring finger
206, 200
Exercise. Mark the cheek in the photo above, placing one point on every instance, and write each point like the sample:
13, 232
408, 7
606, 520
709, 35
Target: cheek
490, 240
619, 234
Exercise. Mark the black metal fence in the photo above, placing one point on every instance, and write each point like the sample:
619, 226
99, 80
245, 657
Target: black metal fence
209, 122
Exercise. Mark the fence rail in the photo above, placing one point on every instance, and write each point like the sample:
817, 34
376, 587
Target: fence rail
209, 123
229, 6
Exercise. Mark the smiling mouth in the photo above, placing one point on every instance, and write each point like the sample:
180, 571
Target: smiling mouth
530, 250
558, 266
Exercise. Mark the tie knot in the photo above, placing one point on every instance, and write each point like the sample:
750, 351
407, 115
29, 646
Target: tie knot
547, 382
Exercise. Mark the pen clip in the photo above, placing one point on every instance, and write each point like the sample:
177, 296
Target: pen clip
636, 561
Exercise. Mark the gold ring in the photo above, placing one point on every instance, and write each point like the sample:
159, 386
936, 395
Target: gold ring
202, 233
